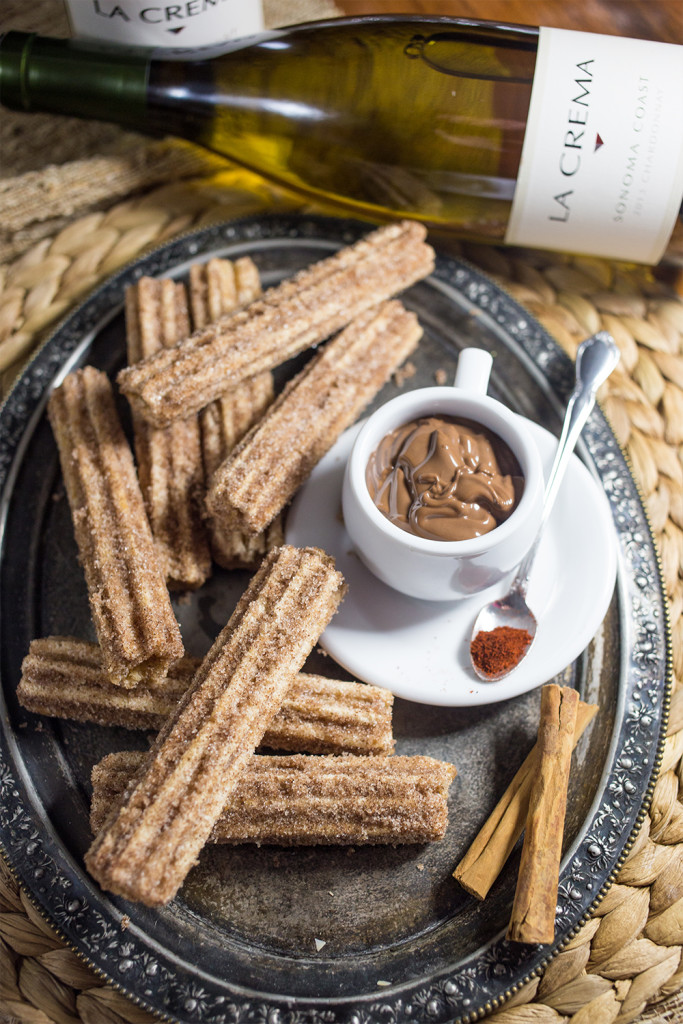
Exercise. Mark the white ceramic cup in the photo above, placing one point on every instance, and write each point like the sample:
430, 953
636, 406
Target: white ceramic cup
437, 570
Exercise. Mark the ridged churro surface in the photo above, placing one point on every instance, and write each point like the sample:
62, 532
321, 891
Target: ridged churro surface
220, 286
129, 601
169, 458
150, 842
305, 800
299, 313
65, 678
225, 422
217, 288
263, 472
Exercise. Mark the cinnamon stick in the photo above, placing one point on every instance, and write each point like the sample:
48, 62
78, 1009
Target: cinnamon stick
484, 860
533, 908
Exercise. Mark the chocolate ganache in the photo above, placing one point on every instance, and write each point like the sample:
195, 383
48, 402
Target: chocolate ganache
444, 479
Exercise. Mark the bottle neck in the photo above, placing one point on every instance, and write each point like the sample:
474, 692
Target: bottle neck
62, 77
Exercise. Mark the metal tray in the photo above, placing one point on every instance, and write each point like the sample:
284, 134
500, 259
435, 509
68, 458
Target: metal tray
397, 938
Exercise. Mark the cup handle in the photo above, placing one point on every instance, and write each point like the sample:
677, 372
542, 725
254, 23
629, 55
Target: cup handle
473, 370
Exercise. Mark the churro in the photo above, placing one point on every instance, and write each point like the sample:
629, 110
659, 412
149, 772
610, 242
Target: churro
295, 315
129, 601
220, 286
149, 843
65, 678
169, 459
262, 473
216, 288
304, 800
225, 422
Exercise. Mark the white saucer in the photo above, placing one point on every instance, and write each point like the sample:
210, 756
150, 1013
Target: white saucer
420, 649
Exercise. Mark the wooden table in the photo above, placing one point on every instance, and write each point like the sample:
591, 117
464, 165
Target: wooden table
646, 19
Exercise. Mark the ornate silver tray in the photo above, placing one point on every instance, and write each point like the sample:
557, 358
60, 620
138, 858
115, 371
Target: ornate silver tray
322, 935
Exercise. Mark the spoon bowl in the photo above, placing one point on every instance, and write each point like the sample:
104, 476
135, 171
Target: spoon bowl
504, 630
497, 645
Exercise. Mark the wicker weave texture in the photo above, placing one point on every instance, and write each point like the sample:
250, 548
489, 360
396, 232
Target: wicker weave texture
628, 956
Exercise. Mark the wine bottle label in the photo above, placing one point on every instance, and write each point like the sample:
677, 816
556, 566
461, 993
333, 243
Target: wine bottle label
187, 24
601, 171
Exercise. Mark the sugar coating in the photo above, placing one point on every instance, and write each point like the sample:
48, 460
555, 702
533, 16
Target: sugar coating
264, 471
129, 600
153, 838
217, 288
307, 800
65, 678
169, 458
297, 314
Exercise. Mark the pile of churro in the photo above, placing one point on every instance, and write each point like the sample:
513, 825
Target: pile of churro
249, 747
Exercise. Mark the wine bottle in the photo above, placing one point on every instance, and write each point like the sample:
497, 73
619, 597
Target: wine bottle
552, 138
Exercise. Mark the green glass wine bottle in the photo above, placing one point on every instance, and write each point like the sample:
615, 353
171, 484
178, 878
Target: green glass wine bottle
408, 117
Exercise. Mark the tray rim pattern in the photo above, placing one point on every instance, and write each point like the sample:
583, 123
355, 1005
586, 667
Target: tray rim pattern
463, 994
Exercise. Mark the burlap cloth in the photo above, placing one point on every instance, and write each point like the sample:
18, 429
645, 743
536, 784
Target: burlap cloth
106, 198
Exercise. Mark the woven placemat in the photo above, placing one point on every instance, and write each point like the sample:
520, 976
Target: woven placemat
66, 228
629, 955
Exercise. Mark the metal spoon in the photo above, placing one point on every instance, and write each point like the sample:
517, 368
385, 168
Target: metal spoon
596, 358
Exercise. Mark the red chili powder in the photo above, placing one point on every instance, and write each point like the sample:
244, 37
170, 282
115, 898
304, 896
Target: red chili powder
499, 650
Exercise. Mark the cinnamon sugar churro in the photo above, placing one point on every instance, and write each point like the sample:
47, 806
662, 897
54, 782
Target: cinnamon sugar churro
169, 458
65, 678
217, 288
129, 601
220, 286
262, 473
305, 800
149, 843
289, 318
